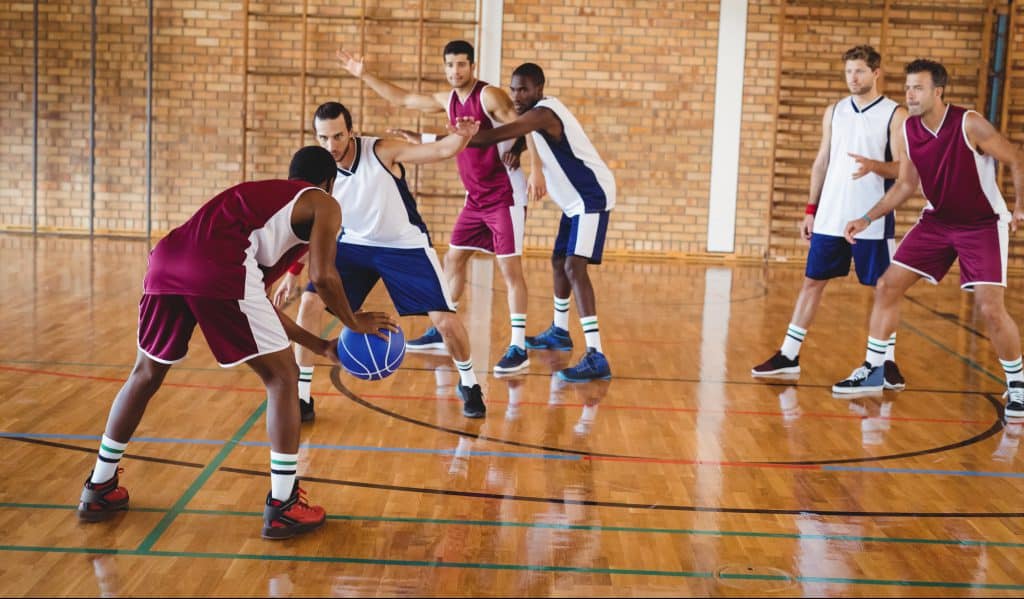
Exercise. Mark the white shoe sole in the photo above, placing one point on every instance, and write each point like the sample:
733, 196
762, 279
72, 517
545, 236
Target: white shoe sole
894, 387
855, 391
431, 347
499, 371
787, 370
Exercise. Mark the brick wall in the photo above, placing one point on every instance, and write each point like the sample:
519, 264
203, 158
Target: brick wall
640, 76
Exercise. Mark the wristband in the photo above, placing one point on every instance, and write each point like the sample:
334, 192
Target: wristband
867, 218
811, 209
296, 269
427, 138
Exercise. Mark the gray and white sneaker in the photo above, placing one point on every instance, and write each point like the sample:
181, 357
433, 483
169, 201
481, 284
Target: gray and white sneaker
864, 379
1015, 400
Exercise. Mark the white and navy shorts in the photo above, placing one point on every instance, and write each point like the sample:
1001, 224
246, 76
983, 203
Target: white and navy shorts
582, 235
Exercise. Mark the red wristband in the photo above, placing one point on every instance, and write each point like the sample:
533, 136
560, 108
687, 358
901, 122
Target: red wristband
296, 269
811, 209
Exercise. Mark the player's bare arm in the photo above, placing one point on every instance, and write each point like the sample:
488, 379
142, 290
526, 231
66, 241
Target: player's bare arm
496, 101
885, 170
392, 151
536, 119
316, 206
818, 171
355, 65
984, 137
903, 189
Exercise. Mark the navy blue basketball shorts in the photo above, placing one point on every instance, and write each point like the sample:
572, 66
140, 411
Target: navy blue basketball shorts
829, 258
412, 277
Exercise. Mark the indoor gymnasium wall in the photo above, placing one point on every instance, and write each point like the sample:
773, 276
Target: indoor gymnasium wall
234, 85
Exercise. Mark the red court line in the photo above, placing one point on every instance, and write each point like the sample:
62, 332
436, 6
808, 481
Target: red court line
498, 402
108, 379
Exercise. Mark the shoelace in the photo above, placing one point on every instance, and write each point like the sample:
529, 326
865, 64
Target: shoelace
1015, 394
859, 374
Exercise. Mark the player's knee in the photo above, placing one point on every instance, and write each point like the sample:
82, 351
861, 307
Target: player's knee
576, 268
149, 374
447, 324
992, 311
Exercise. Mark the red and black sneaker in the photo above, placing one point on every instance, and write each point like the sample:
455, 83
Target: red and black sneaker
285, 519
102, 501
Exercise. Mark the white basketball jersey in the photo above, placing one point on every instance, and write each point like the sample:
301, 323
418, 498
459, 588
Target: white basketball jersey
857, 130
577, 179
377, 208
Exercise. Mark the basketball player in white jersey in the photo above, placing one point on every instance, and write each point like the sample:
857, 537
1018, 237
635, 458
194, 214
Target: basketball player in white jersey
580, 182
384, 237
853, 169
492, 220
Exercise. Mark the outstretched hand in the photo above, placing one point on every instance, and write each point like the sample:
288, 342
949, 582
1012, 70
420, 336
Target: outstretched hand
353, 63
465, 126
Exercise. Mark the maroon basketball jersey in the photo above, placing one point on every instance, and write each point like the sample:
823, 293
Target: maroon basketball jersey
483, 174
958, 181
233, 246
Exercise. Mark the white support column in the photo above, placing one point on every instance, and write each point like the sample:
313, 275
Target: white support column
490, 14
725, 144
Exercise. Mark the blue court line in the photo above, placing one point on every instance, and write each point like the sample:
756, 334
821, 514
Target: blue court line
508, 454
519, 567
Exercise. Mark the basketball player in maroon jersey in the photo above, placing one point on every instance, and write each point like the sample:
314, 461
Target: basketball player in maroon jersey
214, 270
950, 154
493, 217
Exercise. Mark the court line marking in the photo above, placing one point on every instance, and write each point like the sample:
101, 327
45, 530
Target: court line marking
571, 527
519, 567
544, 456
200, 480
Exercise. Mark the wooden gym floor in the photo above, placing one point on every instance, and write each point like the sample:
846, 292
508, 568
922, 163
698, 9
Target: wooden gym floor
681, 476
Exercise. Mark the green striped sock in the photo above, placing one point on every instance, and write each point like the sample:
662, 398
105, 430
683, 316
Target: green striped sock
591, 332
283, 467
1014, 370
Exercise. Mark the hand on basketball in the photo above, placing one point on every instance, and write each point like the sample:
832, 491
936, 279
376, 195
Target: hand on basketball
464, 126
285, 289
865, 164
852, 228
331, 351
353, 63
370, 323
807, 227
409, 136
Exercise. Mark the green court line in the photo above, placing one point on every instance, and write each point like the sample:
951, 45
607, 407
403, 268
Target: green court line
974, 365
521, 567
213, 466
579, 527
200, 480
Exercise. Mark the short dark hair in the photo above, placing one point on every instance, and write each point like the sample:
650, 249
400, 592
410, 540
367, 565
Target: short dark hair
459, 47
328, 111
312, 164
866, 53
531, 71
940, 78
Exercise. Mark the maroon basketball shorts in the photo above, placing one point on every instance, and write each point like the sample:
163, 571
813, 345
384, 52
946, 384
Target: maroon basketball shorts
498, 230
930, 247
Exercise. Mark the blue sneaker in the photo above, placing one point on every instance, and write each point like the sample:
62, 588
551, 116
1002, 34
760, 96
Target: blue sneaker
428, 341
593, 366
555, 338
514, 360
864, 379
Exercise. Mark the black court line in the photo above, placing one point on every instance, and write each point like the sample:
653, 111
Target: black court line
92, 450
634, 506
949, 317
345, 391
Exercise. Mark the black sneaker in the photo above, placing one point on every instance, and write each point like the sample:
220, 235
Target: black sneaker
307, 409
893, 378
777, 364
285, 519
472, 401
1015, 400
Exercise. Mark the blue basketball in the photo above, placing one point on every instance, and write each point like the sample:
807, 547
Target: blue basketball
368, 356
